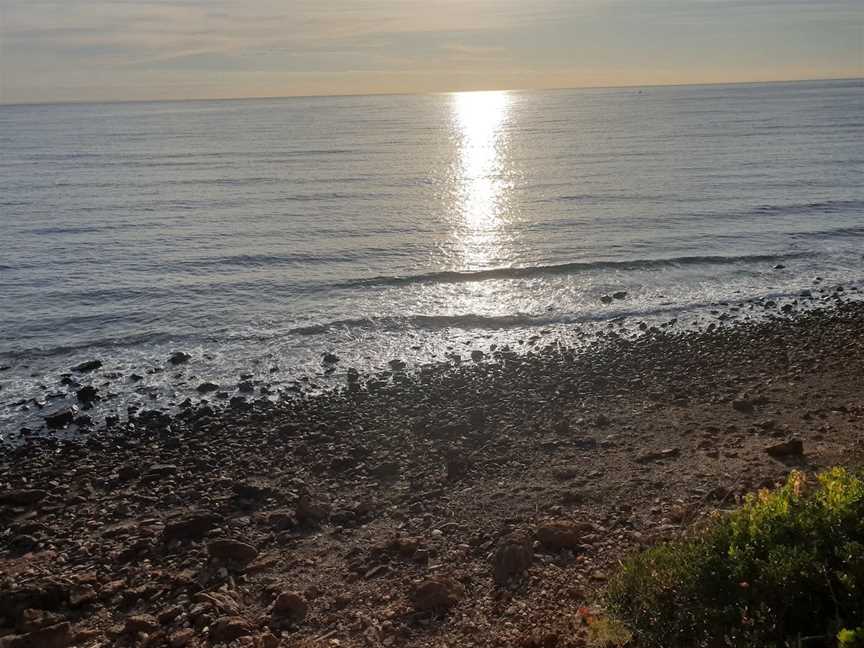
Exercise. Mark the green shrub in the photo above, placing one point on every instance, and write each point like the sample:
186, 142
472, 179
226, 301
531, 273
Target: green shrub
787, 564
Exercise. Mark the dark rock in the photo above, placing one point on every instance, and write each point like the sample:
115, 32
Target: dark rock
330, 358
790, 448
140, 623
621, 294
61, 418
246, 387
252, 489
87, 395
436, 594
55, 636
397, 365
311, 510
477, 355
512, 558
232, 551
291, 606
207, 387
562, 534
227, 629
240, 404
87, 367
743, 406
23, 497
179, 357
192, 526
606, 299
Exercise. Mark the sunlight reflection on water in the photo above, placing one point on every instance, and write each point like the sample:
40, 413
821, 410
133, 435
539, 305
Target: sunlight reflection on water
482, 187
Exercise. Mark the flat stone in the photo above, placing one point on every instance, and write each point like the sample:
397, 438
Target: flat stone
790, 448
232, 551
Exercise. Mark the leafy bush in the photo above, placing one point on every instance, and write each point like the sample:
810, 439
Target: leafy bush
787, 564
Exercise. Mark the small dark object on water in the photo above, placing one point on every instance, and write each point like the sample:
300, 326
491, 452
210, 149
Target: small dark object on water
621, 294
207, 387
606, 299
330, 358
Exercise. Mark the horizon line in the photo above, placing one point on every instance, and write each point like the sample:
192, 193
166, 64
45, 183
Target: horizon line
74, 102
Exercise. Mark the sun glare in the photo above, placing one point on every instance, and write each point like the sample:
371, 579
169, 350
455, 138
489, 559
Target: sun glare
479, 120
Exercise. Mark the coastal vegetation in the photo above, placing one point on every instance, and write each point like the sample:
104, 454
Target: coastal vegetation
786, 568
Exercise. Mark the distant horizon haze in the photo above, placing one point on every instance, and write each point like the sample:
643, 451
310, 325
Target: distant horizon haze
54, 51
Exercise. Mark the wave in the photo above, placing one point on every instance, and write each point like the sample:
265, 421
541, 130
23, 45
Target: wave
820, 207
453, 276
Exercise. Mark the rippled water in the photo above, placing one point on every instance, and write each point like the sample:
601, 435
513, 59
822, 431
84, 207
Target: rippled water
257, 234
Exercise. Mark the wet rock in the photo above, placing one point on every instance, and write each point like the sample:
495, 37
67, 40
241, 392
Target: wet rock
228, 629
179, 357
512, 558
621, 294
606, 299
87, 395
290, 606
140, 623
240, 404
232, 551
246, 387
61, 418
436, 594
397, 364
330, 358
87, 367
22, 497
207, 387
790, 448
192, 526
477, 355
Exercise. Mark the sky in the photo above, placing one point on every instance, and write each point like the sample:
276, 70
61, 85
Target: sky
98, 50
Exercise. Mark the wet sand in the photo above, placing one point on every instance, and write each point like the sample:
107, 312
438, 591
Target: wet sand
478, 504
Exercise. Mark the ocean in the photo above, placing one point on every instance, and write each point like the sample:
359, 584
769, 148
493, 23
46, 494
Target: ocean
257, 235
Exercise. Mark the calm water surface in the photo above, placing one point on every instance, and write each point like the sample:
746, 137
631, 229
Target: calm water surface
258, 234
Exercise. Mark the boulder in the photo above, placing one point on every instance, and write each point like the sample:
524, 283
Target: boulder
192, 526
140, 623
61, 418
22, 497
179, 357
207, 387
561, 534
232, 551
87, 395
436, 594
291, 606
512, 558
790, 448
227, 629
55, 636
87, 367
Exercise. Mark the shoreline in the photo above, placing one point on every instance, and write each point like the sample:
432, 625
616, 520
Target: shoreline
341, 506
118, 389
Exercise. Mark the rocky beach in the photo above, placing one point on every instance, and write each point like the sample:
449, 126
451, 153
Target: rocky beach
481, 503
